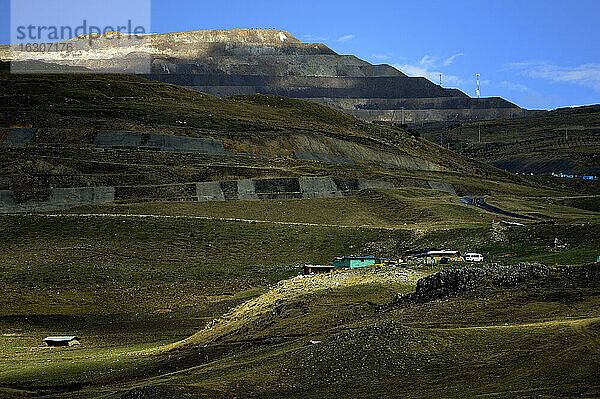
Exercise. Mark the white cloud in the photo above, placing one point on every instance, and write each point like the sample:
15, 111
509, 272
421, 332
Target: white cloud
584, 75
345, 38
421, 70
428, 60
451, 59
430, 67
414, 70
435, 61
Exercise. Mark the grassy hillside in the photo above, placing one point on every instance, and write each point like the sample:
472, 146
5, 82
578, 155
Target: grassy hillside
141, 280
563, 140
325, 336
132, 286
126, 102
68, 109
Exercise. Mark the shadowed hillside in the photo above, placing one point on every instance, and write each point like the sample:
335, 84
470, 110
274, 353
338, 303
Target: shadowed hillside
565, 140
123, 132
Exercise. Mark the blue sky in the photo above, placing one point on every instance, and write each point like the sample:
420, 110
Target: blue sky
538, 54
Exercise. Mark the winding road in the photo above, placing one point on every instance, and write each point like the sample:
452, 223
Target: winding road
479, 202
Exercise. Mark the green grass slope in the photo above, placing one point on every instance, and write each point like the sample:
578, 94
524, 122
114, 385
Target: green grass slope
141, 280
325, 336
126, 102
562, 140
132, 280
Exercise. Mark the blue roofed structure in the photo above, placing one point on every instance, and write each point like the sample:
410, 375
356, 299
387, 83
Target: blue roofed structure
354, 262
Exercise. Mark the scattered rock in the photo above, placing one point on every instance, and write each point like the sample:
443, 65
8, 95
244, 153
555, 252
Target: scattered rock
559, 245
498, 232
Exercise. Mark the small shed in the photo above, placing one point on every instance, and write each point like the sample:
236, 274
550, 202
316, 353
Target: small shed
62, 341
354, 262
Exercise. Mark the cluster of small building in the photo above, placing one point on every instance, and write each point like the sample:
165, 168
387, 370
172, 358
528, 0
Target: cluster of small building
424, 257
589, 177
442, 256
560, 174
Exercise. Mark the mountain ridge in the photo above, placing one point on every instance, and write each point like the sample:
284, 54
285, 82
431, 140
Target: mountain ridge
241, 62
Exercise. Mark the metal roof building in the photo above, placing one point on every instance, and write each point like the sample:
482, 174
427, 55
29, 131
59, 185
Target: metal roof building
354, 262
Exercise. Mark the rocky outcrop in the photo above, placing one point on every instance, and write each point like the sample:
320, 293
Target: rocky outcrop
454, 282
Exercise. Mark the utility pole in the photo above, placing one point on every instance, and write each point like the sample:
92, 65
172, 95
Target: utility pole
478, 91
403, 115
479, 129
566, 133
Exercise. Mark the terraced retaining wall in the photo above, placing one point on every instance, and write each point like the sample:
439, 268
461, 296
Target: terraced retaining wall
302, 187
159, 142
16, 137
317, 148
282, 188
59, 198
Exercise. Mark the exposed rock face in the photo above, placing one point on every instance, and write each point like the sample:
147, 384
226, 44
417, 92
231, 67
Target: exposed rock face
241, 61
455, 281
